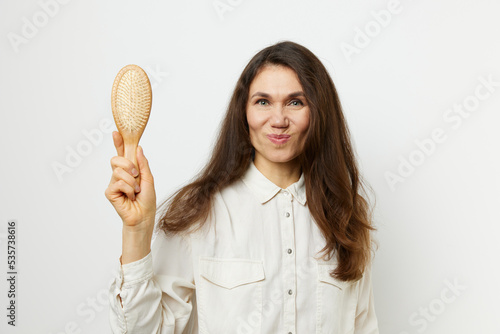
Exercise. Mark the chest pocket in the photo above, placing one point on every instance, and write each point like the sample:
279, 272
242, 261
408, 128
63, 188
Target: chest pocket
337, 301
324, 270
229, 295
230, 273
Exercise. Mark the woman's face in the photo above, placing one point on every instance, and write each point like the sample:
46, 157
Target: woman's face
277, 114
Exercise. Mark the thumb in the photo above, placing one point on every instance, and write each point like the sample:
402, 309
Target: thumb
143, 165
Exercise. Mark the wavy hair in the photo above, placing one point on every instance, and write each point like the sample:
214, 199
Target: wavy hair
334, 186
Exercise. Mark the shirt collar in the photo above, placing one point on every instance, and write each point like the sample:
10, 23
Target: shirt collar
265, 189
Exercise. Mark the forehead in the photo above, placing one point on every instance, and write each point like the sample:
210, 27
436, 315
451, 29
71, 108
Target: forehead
275, 79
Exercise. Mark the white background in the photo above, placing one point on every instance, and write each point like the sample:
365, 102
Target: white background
439, 226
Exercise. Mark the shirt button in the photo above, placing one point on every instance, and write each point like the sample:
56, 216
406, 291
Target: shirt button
287, 214
289, 251
285, 193
290, 292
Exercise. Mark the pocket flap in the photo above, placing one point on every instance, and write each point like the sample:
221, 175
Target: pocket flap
230, 273
324, 270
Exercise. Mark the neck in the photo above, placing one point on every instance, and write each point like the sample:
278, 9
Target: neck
282, 174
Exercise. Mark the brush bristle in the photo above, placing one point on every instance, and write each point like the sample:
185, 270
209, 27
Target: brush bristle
132, 101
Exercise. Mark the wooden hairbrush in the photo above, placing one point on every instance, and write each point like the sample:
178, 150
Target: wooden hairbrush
131, 99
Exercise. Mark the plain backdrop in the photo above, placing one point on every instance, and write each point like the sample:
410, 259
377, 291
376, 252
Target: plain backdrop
419, 82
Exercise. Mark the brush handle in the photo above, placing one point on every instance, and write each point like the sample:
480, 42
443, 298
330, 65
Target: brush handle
131, 154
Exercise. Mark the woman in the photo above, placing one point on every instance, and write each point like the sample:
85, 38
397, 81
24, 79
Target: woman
271, 237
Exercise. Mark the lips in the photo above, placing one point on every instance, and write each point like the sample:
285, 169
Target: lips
278, 139
278, 136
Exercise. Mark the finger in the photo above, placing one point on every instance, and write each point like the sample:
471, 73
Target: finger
118, 141
125, 164
121, 175
117, 189
143, 165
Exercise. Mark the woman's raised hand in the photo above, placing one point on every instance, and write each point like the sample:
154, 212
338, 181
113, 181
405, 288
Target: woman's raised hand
134, 203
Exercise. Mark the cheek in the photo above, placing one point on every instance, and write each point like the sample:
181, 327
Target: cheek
302, 123
252, 127
255, 123
250, 116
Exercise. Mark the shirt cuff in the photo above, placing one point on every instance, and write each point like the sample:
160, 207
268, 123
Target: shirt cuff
137, 271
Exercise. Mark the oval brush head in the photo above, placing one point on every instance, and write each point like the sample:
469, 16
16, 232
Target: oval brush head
131, 104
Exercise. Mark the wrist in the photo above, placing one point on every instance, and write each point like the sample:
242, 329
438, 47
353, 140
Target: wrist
136, 244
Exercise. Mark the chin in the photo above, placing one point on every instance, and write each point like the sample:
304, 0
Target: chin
279, 157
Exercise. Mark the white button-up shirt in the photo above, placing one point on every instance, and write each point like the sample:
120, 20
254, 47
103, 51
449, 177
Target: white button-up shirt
250, 269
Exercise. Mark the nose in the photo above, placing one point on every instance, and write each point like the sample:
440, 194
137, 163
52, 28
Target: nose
279, 117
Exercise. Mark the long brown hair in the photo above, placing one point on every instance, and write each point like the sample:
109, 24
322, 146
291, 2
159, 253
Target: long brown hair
333, 182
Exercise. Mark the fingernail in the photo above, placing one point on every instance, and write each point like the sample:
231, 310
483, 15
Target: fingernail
137, 188
134, 172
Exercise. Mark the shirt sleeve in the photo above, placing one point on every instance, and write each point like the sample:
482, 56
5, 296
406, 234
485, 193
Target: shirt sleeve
366, 319
156, 291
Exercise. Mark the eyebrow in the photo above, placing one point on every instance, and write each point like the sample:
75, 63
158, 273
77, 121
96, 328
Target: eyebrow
294, 94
